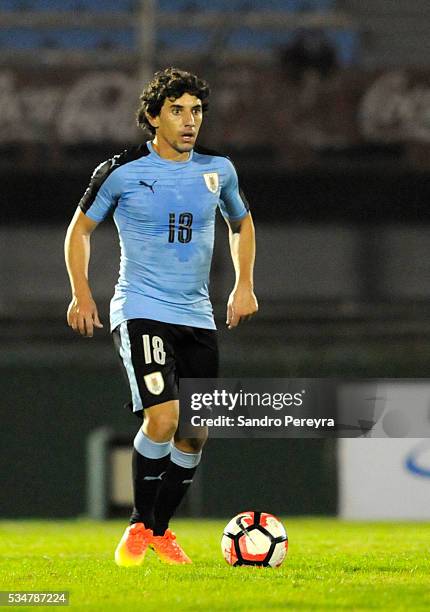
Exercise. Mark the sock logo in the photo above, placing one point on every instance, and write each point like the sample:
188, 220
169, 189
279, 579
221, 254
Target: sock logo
159, 477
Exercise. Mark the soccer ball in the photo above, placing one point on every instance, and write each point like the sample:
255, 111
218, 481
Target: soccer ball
254, 538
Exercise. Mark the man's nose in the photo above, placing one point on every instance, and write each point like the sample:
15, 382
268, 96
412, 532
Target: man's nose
189, 119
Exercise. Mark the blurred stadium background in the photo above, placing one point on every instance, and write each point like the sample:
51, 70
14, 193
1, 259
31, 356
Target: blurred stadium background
325, 108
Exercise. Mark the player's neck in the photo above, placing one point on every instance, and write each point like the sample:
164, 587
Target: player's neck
165, 151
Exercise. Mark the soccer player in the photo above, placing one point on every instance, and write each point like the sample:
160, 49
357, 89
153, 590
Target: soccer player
163, 196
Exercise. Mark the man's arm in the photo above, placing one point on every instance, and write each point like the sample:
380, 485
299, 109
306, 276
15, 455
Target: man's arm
82, 315
242, 302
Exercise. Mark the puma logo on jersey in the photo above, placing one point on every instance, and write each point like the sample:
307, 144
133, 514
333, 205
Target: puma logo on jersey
151, 187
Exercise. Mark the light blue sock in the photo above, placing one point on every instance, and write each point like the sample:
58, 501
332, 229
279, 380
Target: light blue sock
185, 460
150, 449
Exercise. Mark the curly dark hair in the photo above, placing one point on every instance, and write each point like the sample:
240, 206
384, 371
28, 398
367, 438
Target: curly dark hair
170, 83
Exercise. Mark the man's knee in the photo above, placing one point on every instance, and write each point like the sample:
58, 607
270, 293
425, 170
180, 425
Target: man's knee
195, 444
161, 422
192, 445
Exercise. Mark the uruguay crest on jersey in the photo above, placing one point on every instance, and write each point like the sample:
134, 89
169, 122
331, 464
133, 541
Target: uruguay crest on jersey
212, 181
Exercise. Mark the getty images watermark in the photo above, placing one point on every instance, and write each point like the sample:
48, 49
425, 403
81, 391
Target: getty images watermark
303, 408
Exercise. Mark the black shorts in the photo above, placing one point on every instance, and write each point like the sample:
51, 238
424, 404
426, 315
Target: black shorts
156, 355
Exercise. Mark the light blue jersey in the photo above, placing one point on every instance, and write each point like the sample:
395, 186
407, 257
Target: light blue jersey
165, 215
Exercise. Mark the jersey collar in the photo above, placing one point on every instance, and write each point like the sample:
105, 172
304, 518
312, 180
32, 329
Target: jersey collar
168, 162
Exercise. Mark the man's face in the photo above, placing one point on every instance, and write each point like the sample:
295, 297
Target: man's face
178, 124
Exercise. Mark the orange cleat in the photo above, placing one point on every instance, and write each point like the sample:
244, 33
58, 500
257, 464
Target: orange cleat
168, 549
132, 546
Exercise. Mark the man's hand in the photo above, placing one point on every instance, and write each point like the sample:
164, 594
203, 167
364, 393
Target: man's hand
82, 316
241, 305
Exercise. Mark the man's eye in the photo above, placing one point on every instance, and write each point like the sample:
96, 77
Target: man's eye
176, 111
197, 111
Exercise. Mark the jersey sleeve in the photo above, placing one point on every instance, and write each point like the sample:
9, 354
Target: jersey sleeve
233, 203
103, 192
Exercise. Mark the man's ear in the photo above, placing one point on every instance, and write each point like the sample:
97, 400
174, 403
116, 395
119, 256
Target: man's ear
154, 121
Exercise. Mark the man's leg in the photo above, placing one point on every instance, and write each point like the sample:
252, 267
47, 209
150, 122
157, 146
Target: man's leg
184, 459
153, 390
151, 458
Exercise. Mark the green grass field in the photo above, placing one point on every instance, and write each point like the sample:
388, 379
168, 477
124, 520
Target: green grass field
331, 565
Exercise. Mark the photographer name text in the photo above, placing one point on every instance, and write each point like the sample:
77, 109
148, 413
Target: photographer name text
266, 421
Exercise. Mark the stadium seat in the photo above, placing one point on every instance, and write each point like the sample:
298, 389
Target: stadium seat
16, 38
240, 5
188, 38
69, 5
166, 5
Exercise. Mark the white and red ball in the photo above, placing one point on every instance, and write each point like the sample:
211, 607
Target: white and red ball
254, 538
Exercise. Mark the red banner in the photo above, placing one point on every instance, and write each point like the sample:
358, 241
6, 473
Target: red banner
249, 107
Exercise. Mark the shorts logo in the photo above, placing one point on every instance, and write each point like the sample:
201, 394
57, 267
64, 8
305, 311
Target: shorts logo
212, 181
154, 383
